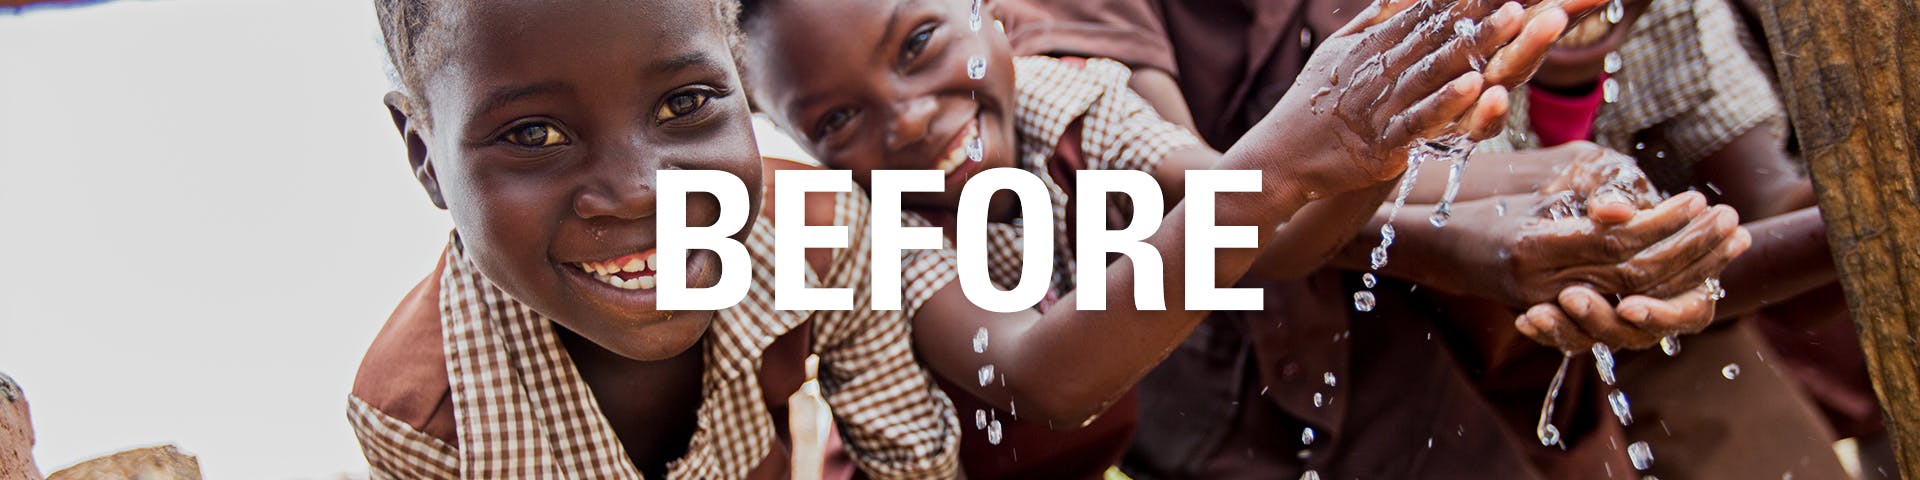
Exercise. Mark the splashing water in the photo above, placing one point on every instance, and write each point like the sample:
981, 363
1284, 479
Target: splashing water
1444, 212
1319, 400
1329, 379
975, 149
986, 375
1641, 454
1549, 435
1603, 361
1310, 475
1610, 90
1367, 279
980, 419
976, 67
1670, 345
1621, 410
1451, 148
1615, 11
980, 340
1714, 292
973, 21
1306, 436
993, 432
1730, 371
1611, 64
1363, 301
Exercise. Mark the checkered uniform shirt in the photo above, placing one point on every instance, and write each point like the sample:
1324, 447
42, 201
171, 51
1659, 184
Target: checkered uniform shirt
523, 410
1119, 131
1687, 71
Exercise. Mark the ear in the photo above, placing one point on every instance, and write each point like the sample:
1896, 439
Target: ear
398, 105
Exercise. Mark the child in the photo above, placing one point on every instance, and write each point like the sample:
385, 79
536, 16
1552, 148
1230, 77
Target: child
535, 348
880, 84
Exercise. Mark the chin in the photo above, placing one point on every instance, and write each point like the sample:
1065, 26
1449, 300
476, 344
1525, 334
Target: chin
660, 339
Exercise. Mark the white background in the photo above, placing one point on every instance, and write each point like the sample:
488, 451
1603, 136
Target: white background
205, 216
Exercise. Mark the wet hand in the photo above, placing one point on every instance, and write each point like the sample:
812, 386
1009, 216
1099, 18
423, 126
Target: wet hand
1582, 316
1661, 251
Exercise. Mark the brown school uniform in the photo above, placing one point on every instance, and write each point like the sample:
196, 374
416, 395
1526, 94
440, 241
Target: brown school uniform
1236, 399
1070, 115
464, 381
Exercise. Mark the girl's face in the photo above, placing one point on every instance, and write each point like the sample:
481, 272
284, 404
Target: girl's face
550, 120
884, 85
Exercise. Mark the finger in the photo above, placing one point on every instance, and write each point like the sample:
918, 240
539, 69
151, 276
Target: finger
1517, 60
1694, 246
1577, 242
1610, 206
1434, 115
1376, 13
1547, 325
1708, 266
1469, 41
1689, 312
1598, 319
1572, 8
1489, 115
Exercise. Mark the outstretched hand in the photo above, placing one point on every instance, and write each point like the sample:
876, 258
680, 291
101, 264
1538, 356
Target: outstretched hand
1404, 71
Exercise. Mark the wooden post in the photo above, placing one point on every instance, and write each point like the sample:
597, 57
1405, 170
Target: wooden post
1850, 74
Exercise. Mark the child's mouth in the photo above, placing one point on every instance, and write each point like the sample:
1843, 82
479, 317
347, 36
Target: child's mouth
633, 271
965, 151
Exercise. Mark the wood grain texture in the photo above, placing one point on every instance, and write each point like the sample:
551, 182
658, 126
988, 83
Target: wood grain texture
1850, 75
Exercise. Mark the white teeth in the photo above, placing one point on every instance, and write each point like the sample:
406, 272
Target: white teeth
645, 283
634, 266
653, 262
630, 284
611, 280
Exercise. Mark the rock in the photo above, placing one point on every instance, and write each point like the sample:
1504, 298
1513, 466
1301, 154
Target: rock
16, 434
152, 463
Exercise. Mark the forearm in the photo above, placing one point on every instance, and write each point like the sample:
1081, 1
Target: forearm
1790, 256
1429, 256
1318, 232
1489, 174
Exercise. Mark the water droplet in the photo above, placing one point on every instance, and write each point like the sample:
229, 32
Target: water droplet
1612, 63
976, 149
1368, 280
1714, 292
1549, 435
1306, 436
1429, 442
1714, 188
1609, 90
1641, 454
1603, 361
1310, 475
1660, 154
1306, 39
1730, 371
980, 419
1379, 257
993, 432
1500, 207
1363, 301
1386, 234
1328, 379
986, 375
1639, 146
1621, 410
1319, 400
1466, 28
1670, 345
1439, 217
977, 67
980, 340
1615, 11
973, 21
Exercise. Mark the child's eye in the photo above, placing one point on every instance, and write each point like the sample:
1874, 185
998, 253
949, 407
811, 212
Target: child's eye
536, 135
831, 122
916, 43
682, 103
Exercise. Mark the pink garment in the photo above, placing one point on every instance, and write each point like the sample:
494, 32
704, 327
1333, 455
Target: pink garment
1560, 118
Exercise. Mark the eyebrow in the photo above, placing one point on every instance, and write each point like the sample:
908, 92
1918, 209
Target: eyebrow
893, 20
681, 62
503, 96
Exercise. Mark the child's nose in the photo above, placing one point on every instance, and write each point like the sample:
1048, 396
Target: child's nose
625, 195
911, 119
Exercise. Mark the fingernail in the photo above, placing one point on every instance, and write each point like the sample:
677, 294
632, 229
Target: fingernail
1634, 314
1580, 306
